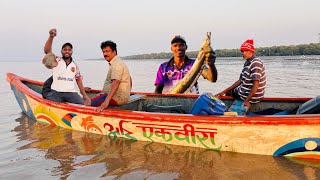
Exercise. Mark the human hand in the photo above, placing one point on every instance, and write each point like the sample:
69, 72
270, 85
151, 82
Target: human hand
247, 105
102, 107
87, 89
87, 101
53, 32
210, 57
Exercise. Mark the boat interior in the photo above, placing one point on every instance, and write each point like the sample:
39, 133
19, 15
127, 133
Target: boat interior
181, 104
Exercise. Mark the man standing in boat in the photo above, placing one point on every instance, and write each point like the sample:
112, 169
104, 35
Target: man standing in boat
117, 86
252, 82
65, 72
172, 72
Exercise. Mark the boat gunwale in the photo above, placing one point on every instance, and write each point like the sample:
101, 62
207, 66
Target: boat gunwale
303, 119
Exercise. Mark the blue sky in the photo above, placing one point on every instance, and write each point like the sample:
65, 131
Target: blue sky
147, 26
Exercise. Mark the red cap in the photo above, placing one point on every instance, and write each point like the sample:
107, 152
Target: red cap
247, 46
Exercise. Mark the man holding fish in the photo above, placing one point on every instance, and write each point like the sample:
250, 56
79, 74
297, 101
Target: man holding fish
172, 72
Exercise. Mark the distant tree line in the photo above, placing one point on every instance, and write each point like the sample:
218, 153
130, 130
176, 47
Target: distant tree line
293, 50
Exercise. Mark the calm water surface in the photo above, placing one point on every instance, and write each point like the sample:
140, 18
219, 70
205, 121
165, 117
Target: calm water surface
31, 150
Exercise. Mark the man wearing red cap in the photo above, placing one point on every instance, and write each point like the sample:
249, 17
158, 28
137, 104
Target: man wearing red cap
172, 72
252, 82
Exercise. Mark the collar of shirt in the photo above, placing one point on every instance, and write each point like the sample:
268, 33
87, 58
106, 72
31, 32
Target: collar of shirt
65, 60
112, 60
248, 61
186, 62
61, 58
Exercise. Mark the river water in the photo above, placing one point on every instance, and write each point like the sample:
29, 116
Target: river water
31, 150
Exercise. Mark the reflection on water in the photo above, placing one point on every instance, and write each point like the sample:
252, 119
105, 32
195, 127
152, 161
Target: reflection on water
58, 152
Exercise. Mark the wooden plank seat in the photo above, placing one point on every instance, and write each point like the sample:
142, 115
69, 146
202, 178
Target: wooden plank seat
133, 104
136, 97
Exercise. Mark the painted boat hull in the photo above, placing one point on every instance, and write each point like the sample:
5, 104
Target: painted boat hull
284, 135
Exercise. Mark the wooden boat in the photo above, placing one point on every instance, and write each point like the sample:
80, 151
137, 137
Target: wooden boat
279, 135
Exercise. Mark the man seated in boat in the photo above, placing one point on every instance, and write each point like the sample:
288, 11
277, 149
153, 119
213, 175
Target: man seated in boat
252, 81
117, 86
172, 72
64, 72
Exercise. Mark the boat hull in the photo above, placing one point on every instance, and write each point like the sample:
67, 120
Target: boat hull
286, 135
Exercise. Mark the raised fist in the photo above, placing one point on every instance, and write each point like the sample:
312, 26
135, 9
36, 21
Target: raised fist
53, 32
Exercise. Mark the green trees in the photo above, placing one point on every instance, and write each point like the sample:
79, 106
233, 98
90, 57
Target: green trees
293, 50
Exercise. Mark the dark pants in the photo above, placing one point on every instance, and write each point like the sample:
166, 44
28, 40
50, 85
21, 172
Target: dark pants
47, 87
98, 100
234, 94
71, 97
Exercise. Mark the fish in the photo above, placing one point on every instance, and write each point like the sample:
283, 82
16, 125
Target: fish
49, 60
194, 73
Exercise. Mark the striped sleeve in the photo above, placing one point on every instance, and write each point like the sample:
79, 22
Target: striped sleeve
256, 70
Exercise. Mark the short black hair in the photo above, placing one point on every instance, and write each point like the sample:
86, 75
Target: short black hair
67, 44
109, 43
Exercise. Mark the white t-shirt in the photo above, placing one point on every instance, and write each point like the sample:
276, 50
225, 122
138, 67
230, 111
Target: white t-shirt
64, 76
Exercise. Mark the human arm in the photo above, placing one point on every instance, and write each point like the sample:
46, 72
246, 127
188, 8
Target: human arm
83, 92
159, 82
159, 88
234, 85
114, 87
48, 45
210, 71
252, 93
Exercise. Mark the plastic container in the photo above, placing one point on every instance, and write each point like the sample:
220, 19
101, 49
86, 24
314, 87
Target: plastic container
207, 104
